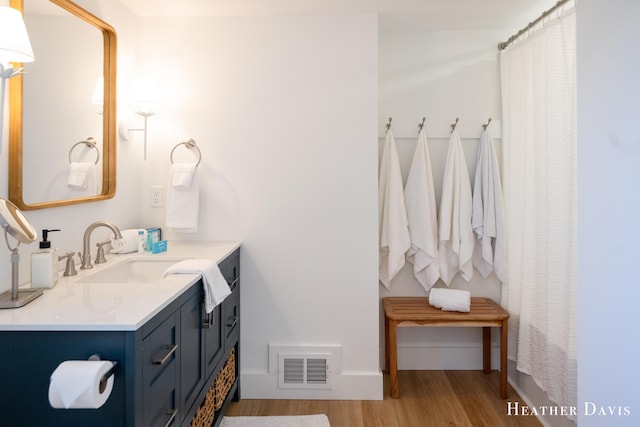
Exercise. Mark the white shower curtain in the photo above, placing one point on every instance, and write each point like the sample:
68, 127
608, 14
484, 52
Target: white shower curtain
539, 178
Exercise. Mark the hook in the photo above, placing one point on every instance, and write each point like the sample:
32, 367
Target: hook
421, 125
389, 124
486, 125
453, 126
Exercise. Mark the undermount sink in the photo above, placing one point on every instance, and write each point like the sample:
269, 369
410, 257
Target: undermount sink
133, 270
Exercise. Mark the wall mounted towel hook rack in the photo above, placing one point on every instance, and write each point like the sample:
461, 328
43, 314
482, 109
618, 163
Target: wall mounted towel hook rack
189, 143
90, 143
421, 125
487, 124
453, 125
389, 124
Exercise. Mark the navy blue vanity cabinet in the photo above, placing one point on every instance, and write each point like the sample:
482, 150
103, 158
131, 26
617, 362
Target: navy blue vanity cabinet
164, 371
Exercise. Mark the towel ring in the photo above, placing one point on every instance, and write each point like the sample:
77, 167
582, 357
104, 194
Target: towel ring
189, 143
91, 143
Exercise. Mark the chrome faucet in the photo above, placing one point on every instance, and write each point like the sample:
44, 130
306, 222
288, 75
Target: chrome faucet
86, 244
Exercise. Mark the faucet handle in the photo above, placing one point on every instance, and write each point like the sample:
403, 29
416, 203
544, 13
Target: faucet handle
100, 258
70, 267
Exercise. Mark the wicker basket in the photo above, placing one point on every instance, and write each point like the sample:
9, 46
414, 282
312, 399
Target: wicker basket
225, 379
206, 412
217, 393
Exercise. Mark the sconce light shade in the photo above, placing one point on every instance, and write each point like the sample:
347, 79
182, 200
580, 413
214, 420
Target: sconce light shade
14, 41
145, 95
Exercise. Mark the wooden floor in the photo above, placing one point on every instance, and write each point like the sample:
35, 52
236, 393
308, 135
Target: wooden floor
427, 398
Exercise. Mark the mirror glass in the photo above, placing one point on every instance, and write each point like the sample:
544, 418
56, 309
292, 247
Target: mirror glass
15, 223
62, 110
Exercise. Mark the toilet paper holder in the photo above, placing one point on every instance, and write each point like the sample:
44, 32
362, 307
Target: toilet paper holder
103, 381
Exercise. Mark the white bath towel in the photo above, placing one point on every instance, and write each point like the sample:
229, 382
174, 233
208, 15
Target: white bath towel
450, 299
82, 176
128, 243
182, 175
392, 214
455, 247
183, 202
422, 216
215, 285
487, 216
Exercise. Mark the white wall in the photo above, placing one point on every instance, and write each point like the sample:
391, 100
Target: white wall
609, 202
284, 112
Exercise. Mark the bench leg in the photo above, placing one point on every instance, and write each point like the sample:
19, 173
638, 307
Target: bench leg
386, 345
486, 349
392, 344
504, 332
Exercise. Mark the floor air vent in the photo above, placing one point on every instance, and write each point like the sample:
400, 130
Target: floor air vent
304, 370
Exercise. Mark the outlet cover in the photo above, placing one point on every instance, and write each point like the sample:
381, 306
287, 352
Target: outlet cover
156, 196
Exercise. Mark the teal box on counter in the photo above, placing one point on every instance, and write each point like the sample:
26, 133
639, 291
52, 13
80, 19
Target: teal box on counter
154, 234
157, 247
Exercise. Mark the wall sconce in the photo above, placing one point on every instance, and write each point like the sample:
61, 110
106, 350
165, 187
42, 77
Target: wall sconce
145, 101
14, 47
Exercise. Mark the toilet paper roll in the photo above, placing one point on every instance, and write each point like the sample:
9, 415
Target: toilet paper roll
75, 384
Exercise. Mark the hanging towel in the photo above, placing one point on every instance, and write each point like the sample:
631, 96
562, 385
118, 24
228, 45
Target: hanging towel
215, 285
422, 216
487, 216
82, 176
450, 299
183, 198
392, 214
128, 243
456, 234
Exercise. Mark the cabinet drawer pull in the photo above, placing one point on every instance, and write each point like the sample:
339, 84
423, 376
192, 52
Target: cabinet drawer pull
208, 321
169, 350
232, 322
172, 416
233, 284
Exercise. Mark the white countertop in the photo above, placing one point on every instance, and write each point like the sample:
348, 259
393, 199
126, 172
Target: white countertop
75, 305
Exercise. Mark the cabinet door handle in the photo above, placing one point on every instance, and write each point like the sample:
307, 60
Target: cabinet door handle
232, 322
208, 321
172, 416
169, 350
233, 284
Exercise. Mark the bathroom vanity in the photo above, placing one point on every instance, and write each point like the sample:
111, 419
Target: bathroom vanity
168, 350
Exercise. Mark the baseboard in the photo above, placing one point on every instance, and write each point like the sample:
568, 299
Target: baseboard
365, 386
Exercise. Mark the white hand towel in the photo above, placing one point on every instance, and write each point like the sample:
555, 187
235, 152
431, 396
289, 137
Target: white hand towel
182, 203
487, 216
215, 286
393, 226
128, 243
81, 175
422, 216
456, 234
182, 175
450, 299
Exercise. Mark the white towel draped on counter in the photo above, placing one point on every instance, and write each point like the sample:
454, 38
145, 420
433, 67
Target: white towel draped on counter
422, 216
215, 285
487, 216
183, 198
456, 234
392, 214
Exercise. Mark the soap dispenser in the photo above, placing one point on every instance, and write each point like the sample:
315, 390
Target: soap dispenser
44, 264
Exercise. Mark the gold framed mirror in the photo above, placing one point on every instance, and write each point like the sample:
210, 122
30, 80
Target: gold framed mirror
21, 151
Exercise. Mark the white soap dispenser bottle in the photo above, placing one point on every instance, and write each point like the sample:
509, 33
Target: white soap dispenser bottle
44, 264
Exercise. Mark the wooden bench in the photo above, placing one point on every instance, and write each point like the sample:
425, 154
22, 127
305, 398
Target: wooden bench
416, 311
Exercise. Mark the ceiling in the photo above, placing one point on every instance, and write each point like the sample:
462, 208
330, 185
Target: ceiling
405, 14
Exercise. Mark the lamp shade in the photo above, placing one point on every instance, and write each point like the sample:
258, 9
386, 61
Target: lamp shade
14, 41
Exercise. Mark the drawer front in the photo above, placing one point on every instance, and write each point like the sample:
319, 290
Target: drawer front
213, 340
159, 374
